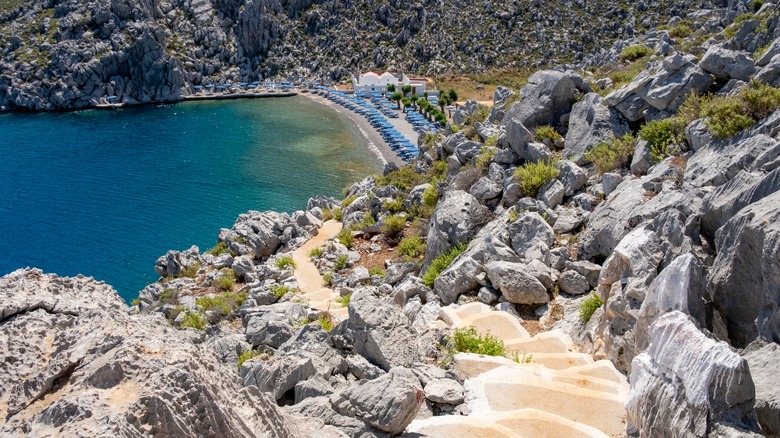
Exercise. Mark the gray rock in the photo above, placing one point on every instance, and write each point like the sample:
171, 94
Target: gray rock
763, 370
572, 176
244, 267
551, 193
573, 283
314, 343
314, 387
530, 234
558, 258
173, 263
362, 369
727, 64
642, 159
485, 189
397, 271
488, 296
699, 381
72, 341
697, 135
229, 347
358, 276
467, 150
415, 196
590, 124
744, 281
381, 332
322, 409
610, 181
276, 375
388, 403
410, 287
662, 89
515, 283
568, 221
457, 219
547, 96
590, 271
261, 331
771, 51
517, 136
444, 391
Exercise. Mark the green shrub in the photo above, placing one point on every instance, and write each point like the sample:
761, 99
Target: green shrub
660, 134
344, 301
438, 171
430, 196
611, 155
225, 283
327, 214
681, 30
365, 222
169, 296
547, 132
479, 115
484, 158
442, 262
589, 306
345, 237
759, 52
393, 226
327, 278
135, 302
348, 200
245, 356
337, 214
316, 252
220, 248
285, 262
326, 322
411, 246
755, 5
223, 304
492, 141
280, 290
525, 358
190, 271
395, 205
761, 100
341, 262
194, 320
532, 176
691, 110
632, 53
726, 117
403, 179
467, 340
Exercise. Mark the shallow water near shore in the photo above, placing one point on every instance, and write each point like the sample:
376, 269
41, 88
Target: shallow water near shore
105, 193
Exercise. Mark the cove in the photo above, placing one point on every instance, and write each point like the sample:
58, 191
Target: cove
105, 193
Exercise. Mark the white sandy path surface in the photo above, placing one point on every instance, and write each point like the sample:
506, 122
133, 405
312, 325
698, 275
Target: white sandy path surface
310, 282
375, 140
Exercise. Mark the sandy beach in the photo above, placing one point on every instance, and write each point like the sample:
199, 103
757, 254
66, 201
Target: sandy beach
375, 141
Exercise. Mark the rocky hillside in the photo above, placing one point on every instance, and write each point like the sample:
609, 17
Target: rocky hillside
71, 54
596, 254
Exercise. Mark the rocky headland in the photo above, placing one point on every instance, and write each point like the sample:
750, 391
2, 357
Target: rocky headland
594, 255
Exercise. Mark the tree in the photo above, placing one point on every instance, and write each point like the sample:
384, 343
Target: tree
452, 95
406, 89
414, 99
391, 88
396, 97
425, 95
407, 103
444, 100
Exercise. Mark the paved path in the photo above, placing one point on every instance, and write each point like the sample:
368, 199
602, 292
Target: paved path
560, 393
310, 282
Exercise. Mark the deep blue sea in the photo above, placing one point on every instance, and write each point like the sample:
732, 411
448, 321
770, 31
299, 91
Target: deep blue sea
105, 193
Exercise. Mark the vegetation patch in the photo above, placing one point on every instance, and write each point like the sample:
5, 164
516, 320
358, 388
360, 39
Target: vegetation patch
225, 283
547, 132
611, 155
190, 271
403, 179
442, 262
280, 290
194, 320
468, 340
532, 176
344, 301
728, 116
251, 354
348, 201
345, 237
589, 306
411, 246
220, 248
394, 205
316, 252
661, 134
632, 53
326, 322
285, 262
393, 226
341, 262
486, 157
223, 304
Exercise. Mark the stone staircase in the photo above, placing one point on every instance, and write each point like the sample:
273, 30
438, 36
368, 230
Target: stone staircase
310, 282
559, 393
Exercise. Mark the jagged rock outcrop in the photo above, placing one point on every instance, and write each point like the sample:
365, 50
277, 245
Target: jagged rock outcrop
548, 95
74, 358
591, 123
457, 219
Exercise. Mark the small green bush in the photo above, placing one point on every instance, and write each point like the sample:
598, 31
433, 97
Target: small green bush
337, 214
225, 284
285, 262
547, 132
393, 226
327, 278
220, 248
345, 237
660, 134
245, 356
479, 115
467, 340
532, 176
194, 320
341, 262
135, 302
726, 117
190, 271
442, 262
760, 99
376, 271
411, 246
632, 53
430, 196
223, 304
367, 221
327, 214
681, 30
403, 179
492, 141
344, 301
589, 306
759, 52
755, 5
280, 290
486, 157
348, 200
169, 296
316, 252
438, 171
326, 322
611, 155
394, 205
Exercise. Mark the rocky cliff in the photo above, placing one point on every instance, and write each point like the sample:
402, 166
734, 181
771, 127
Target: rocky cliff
74, 54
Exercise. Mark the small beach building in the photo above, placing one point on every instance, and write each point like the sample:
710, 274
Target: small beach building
370, 81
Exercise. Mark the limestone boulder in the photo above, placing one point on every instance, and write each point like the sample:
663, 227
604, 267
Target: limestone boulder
591, 123
445, 391
727, 64
516, 284
700, 382
457, 219
547, 96
763, 360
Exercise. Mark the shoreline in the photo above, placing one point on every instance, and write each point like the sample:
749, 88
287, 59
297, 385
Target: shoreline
376, 143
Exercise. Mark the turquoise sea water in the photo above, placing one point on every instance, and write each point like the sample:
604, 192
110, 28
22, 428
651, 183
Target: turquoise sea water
105, 193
